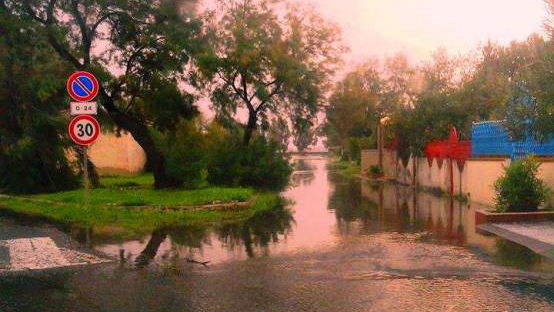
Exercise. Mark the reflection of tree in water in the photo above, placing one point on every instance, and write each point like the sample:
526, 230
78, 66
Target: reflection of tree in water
151, 249
403, 223
348, 203
190, 236
304, 178
303, 165
258, 231
303, 172
512, 254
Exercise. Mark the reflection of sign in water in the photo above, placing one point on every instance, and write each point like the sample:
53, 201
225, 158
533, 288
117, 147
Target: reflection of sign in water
82, 86
84, 130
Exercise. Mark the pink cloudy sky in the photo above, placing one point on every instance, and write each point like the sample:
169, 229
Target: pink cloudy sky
376, 28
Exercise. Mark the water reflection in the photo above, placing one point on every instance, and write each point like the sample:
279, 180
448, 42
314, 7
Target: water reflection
512, 254
303, 173
340, 245
151, 249
440, 220
168, 245
326, 209
263, 228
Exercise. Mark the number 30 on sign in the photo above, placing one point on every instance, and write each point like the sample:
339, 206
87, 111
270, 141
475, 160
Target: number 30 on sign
84, 130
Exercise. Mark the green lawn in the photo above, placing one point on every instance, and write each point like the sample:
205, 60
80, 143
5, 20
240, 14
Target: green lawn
109, 206
345, 168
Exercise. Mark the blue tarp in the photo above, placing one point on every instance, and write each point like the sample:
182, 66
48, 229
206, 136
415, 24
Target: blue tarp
491, 139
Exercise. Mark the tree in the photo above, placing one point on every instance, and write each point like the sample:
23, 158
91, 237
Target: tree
268, 63
279, 132
368, 93
537, 78
513, 83
148, 41
437, 105
353, 106
32, 156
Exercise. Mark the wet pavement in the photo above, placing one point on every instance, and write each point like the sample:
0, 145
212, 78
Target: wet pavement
340, 245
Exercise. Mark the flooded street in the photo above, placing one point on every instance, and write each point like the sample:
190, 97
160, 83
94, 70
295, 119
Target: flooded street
339, 245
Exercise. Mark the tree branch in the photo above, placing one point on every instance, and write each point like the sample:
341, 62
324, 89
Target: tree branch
50, 11
101, 20
85, 36
62, 51
232, 84
245, 93
275, 91
32, 14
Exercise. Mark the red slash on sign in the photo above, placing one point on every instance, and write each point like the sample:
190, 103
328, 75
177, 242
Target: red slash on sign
84, 130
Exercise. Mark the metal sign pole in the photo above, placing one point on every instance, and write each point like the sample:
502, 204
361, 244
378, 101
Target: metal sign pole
85, 174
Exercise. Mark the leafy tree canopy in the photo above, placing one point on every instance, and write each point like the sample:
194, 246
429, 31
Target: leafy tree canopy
270, 60
136, 48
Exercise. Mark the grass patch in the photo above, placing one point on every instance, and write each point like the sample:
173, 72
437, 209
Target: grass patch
109, 206
345, 168
138, 191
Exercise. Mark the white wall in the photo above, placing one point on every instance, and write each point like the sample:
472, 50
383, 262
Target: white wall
476, 180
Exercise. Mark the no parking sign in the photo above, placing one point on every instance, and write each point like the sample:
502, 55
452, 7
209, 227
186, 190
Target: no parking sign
82, 86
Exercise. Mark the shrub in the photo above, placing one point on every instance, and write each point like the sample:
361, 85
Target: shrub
184, 151
376, 171
262, 164
33, 166
519, 189
197, 155
355, 147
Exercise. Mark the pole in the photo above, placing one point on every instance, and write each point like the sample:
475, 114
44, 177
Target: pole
86, 176
380, 144
451, 177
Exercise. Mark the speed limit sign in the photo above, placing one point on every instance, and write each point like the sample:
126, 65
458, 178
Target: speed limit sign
84, 130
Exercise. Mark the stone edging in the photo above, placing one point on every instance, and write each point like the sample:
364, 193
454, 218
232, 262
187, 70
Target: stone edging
482, 216
233, 205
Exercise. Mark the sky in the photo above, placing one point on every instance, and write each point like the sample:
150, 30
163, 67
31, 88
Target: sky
377, 28
416, 28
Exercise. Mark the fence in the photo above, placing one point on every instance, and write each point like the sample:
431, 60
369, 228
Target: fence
491, 139
454, 149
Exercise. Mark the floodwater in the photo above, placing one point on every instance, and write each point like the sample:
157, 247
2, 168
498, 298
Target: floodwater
339, 245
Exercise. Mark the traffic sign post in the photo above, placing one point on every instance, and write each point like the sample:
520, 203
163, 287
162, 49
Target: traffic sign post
84, 130
82, 86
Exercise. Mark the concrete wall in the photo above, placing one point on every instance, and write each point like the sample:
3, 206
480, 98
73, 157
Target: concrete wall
371, 158
479, 176
475, 180
117, 155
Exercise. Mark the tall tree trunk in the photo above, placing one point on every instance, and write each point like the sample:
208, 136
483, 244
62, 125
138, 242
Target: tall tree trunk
250, 127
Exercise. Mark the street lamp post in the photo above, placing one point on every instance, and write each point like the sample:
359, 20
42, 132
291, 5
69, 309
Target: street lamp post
381, 138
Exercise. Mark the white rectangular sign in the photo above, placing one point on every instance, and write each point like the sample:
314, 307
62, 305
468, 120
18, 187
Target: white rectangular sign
84, 108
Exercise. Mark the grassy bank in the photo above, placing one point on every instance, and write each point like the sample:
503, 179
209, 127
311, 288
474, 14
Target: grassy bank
110, 206
345, 168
